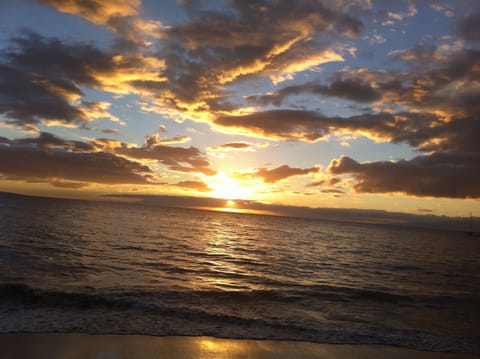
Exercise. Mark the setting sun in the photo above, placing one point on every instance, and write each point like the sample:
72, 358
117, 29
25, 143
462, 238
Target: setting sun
229, 188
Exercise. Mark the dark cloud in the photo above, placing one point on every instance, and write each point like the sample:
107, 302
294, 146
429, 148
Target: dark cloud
195, 185
65, 65
460, 135
29, 100
261, 23
451, 175
42, 77
46, 140
276, 174
120, 17
333, 191
40, 80
173, 140
109, 130
350, 89
96, 11
167, 155
425, 210
310, 126
279, 124
330, 182
71, 185
234, 146
176, 158
439, 79
155, 139
207, 171
57, 161
469, 27
316, 183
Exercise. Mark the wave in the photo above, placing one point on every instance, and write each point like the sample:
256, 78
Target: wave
89, 298
30, 296
203, 313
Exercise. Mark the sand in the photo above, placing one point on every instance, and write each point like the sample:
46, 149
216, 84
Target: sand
84, 346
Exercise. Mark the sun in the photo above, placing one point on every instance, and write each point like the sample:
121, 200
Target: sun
229, 188
231, 203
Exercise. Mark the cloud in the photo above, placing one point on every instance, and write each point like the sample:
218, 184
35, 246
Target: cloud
71, 185
310, 126
195, 185
96, 11
44, 77
441, 79
109, 131
121, 17
333, 191
324, 182
316, 183
431, 106
347, 88
75, 164
156, 140
166, 154
247, 40
469, 27
392, 17
425, 210
233, 146
29, 101
278, 125
450, 175
186, 78
49, 158
377, 39
447, 10
174, 140
47, 141
276, 174
180, 159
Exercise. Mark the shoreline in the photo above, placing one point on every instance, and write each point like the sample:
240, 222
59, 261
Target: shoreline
126, 346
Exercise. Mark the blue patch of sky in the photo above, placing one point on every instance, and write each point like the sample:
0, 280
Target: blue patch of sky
362, 149
167, 11
10, 132
170, 12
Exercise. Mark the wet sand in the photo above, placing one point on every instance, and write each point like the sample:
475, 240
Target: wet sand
83, 346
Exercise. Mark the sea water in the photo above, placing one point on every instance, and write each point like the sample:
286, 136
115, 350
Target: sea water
100, 267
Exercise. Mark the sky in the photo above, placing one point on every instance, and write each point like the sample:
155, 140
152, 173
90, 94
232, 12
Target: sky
344, 103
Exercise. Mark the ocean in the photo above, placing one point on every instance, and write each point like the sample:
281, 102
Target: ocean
102, 267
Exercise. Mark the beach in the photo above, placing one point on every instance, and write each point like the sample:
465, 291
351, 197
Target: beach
80, 346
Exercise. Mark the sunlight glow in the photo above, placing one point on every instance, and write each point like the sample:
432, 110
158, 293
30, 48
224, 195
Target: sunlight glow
228, 188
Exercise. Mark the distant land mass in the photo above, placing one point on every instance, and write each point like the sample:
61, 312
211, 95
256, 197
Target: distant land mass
351, 215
